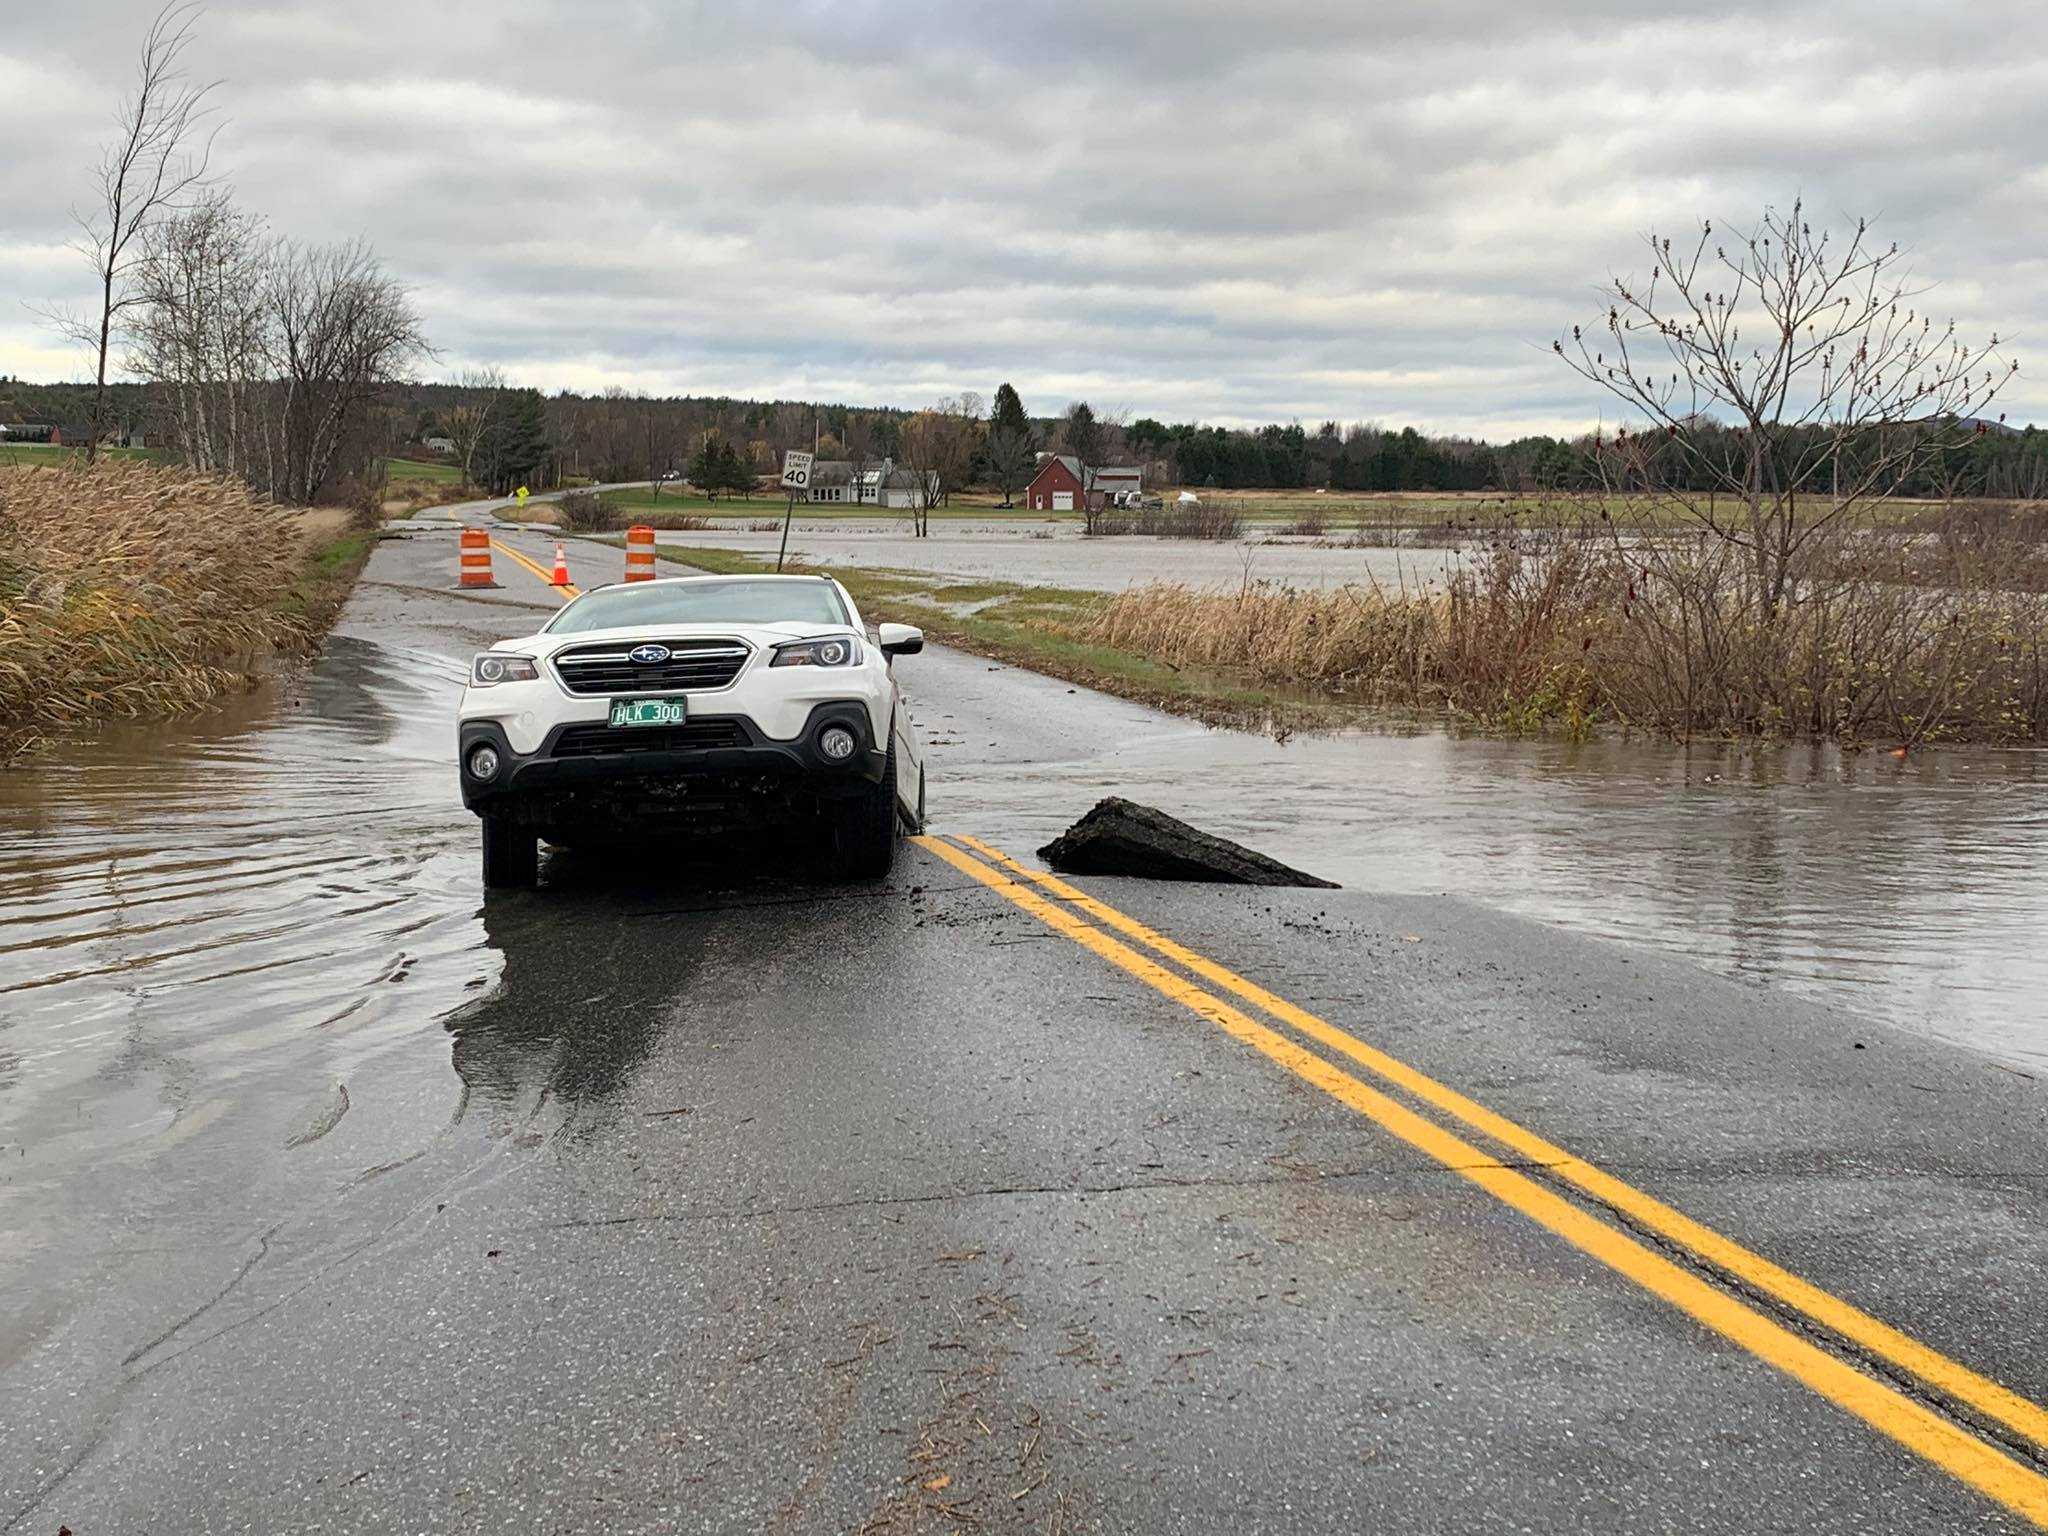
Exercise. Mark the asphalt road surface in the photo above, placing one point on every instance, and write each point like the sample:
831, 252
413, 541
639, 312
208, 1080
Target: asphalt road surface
981, 1201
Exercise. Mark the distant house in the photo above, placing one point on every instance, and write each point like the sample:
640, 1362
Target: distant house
877, 484
28, 432
1064, 484
438, 444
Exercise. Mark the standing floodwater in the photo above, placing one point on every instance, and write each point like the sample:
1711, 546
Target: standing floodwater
1912, 890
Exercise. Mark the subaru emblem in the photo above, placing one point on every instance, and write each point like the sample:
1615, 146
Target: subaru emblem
648, 655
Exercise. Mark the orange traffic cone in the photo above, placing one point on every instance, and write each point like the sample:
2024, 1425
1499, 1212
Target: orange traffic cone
561, 576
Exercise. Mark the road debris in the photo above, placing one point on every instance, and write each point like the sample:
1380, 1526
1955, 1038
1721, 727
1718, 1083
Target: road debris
1120, 837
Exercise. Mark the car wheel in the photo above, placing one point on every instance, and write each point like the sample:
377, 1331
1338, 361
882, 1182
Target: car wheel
864, 835
511, 853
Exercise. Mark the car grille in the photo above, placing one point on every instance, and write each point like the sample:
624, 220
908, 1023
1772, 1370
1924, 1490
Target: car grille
692, 666
691, 736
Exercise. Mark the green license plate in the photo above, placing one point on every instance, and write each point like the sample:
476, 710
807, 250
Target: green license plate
649, 711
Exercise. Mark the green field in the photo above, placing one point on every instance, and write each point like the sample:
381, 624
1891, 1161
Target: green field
43, 453
421, 469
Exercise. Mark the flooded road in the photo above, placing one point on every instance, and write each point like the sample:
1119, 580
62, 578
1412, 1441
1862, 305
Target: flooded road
286, 864
1912, 891
293, 879
296, 1127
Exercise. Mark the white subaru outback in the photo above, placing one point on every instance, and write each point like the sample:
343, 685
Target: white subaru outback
692, 704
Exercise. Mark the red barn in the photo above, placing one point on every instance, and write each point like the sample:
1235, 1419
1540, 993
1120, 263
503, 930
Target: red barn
1064, 484
1057, 486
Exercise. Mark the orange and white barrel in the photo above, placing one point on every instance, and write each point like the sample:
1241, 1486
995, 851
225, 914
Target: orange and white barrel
474, 562
639, 553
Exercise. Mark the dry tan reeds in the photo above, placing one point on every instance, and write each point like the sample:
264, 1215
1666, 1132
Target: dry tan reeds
129, 589
1666, 638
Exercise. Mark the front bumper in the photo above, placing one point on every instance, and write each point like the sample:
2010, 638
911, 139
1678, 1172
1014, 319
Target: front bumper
585, 769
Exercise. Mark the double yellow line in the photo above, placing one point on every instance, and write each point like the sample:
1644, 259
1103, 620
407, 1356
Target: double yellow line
539, 570
1989, 1468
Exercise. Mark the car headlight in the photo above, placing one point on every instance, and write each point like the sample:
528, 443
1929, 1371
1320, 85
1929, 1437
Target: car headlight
833, 651
493, 667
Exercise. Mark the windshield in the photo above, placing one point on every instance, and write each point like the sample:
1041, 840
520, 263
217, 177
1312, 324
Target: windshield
740, 601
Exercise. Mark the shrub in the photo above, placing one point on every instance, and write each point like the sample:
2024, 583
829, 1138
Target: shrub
1183, 520
1675, 637
588, 512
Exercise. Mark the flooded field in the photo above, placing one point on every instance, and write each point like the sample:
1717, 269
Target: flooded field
1057, 555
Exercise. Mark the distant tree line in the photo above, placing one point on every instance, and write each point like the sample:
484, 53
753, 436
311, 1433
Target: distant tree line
1988, 460
506, 437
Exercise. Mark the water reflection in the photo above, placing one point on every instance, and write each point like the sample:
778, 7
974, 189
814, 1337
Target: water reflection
557, 1030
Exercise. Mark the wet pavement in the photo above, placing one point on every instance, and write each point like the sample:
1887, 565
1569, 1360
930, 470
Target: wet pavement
334, 1196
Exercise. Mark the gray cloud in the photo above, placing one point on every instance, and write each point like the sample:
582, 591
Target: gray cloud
1188, 210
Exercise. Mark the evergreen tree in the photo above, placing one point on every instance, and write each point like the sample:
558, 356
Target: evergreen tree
707, 465
1007, 414
514, 448
734, 472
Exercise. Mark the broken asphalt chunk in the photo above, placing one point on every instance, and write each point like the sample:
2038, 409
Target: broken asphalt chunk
1120, 837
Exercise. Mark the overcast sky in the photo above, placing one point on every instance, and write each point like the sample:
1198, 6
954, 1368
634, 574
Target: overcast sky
1184, 210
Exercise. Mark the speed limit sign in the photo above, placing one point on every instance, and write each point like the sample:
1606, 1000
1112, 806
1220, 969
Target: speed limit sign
796, 470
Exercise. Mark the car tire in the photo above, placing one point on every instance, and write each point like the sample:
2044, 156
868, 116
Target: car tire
864, 833
511, 854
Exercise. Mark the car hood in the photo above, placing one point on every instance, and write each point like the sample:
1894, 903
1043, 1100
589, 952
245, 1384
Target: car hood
759, 635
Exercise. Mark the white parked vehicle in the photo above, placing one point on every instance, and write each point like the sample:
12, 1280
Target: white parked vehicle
692, 704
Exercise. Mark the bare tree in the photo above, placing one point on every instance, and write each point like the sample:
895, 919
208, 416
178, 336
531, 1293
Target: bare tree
937, 445
920, 446
482, 395
198, 329
860, 453
1843, 387
660, 437
343, 327
155, 163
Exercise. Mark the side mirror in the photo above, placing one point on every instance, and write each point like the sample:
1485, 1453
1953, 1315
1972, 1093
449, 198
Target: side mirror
901, 640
